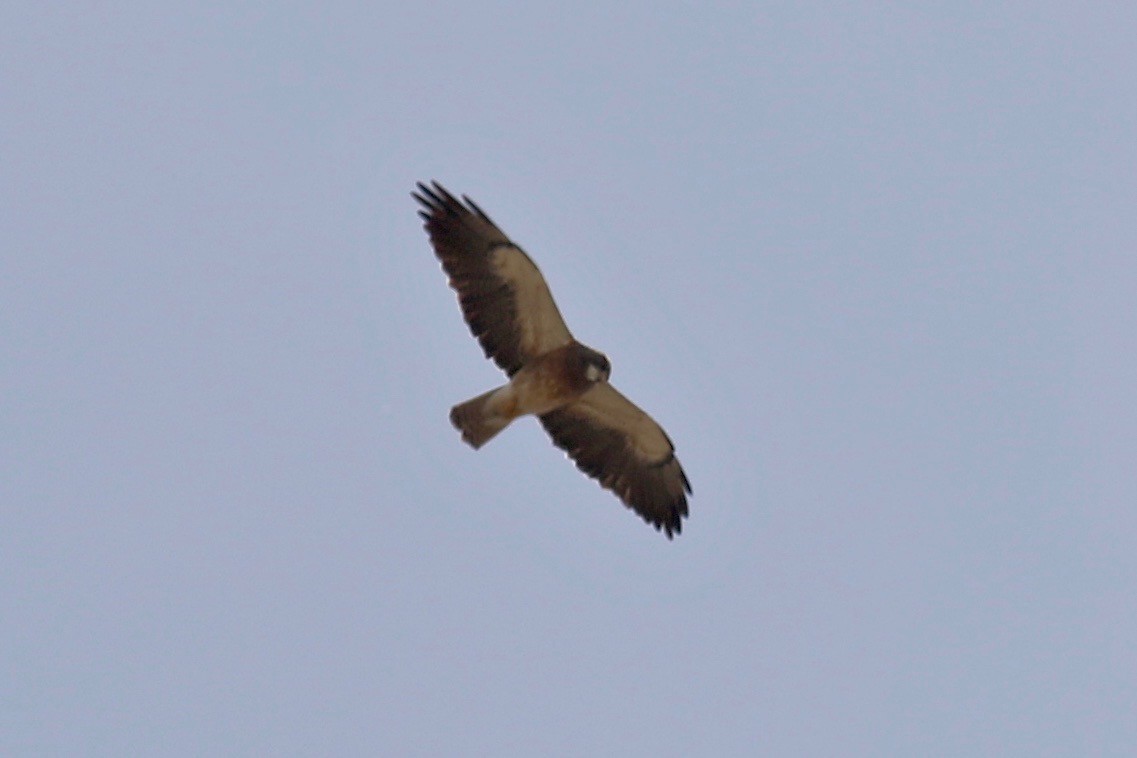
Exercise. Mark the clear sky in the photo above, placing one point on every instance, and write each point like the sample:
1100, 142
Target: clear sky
873, 266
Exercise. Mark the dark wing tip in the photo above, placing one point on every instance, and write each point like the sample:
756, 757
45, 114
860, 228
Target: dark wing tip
676, 508
670, 526
434, 199
656, 501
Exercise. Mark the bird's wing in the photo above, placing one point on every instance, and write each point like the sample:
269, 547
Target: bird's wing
623, 448
503, 296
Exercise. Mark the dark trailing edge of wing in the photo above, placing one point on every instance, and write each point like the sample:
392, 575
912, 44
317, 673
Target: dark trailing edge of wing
654, 490
463, 238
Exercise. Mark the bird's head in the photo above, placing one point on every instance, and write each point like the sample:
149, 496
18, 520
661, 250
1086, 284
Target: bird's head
596, 367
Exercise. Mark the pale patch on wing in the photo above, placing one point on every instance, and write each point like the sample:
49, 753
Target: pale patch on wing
611, 409
538, 319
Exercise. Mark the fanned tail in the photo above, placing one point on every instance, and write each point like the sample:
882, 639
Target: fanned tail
477, 421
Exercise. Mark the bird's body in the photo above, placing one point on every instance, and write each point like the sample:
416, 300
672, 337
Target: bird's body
545, 384
509, 308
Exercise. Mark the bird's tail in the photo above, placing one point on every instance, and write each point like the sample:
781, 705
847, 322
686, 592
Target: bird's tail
477, 419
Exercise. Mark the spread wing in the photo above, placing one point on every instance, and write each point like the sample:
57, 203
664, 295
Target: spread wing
619, 445
503, 296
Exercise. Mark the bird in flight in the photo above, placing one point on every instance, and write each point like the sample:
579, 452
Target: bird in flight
562, 382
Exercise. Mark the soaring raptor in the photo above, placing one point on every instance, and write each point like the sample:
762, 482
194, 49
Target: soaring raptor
510, 310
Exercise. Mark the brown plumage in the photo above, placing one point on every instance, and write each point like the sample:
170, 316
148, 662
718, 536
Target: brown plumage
511, 312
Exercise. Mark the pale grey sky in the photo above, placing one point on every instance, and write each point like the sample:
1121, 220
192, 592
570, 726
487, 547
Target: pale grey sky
873, 268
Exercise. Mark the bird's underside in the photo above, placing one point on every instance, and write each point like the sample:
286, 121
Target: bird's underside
508, 306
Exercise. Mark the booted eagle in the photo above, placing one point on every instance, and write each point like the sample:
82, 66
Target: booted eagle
511, 312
